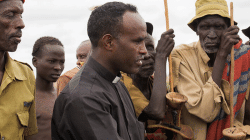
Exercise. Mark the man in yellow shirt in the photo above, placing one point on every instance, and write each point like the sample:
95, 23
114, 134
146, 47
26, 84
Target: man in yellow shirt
17, 81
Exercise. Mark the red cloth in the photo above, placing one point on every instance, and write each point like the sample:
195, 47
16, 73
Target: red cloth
242, 68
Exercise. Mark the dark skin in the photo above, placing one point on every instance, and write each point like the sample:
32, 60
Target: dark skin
11, 24
123, 53
217, 40
49, 64
82, 52
154, 61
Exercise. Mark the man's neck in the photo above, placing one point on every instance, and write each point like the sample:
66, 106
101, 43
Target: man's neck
212, 57
44, 86
104, 61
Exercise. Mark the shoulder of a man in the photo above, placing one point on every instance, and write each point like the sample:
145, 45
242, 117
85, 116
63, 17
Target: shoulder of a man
185, 47
23, 65
26, 70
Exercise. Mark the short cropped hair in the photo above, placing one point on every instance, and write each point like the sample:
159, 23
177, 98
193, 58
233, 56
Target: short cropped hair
107, 19
41, 42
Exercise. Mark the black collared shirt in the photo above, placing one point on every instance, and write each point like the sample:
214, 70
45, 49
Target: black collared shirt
95, 106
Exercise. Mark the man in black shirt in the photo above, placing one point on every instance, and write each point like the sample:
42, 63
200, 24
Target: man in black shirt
95, 104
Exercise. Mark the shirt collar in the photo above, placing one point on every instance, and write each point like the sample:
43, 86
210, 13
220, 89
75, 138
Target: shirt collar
103, 72
13, 69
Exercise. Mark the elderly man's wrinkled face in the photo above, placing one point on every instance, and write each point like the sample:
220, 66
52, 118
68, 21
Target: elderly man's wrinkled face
210, 30
82, 53
11, 24
147, 68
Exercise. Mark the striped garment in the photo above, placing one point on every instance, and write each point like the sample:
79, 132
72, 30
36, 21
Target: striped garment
241, 77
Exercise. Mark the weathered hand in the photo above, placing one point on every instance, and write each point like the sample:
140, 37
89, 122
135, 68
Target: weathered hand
165, 44
229, 38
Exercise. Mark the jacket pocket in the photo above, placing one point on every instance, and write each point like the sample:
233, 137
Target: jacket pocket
23, 118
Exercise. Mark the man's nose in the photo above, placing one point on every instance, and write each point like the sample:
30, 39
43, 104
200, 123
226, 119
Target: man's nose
146, 56
19, 23
143, 49
58, 66
212, 34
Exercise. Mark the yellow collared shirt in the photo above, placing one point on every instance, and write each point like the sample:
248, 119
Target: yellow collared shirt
17, 101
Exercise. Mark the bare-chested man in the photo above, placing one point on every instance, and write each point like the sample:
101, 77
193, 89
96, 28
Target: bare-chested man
48, 58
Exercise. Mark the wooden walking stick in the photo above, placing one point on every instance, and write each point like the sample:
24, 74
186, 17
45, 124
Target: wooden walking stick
175, 103
232, 133
232, 74
169, 58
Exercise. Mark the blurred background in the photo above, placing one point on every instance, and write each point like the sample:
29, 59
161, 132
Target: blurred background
67, 21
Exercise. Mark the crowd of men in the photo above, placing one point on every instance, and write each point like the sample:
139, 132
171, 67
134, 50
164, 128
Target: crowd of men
117, 91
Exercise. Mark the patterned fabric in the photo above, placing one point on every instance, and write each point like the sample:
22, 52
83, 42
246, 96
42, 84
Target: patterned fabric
241, 78
157, 135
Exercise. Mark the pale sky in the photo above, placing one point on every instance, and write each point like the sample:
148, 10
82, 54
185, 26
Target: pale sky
67, 21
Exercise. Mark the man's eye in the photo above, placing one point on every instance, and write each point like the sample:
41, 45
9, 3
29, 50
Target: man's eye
204, 27
51, 61
10, 14
138, 41
62, 62
83, 56
219, 27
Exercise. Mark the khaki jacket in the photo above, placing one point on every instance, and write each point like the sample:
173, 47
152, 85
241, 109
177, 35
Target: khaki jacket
17, 101
192, 77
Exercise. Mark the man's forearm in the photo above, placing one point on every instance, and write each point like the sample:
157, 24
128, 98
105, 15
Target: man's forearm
218, 68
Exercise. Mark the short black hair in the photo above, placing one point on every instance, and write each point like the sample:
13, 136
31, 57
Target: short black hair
46, 40
197, 21
107, 19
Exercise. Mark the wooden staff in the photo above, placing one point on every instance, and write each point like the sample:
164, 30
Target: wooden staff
169, 58
232, 74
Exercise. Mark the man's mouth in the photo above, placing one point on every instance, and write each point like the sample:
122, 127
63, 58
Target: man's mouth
16, 37
56, 76
17, 40
212, 44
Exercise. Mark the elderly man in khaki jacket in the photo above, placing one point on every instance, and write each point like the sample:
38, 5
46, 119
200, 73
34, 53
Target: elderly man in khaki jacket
202, 71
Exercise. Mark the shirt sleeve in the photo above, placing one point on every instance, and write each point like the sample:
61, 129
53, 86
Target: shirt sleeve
32, 126
204, 100
61, 83
81, 115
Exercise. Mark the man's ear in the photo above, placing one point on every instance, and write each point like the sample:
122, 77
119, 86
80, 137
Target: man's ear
34, 61
108, 41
